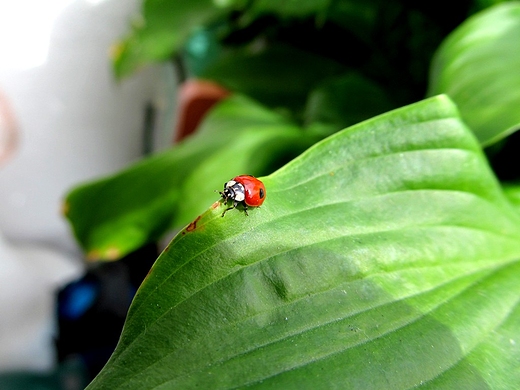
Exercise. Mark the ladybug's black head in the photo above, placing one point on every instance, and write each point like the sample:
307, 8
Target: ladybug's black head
228, 193
233, 190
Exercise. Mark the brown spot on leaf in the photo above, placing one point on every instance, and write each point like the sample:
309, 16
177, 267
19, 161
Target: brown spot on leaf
192, 226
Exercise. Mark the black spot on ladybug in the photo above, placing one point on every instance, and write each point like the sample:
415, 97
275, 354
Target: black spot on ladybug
261, 193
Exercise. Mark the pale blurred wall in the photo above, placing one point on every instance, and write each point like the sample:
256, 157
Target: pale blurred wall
65, 120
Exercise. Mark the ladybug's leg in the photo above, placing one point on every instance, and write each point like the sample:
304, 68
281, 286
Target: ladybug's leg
245, 209
229, 208
235, 204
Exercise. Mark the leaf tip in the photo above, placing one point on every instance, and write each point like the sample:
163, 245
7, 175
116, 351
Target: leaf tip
110, 254
65, 208
116, 50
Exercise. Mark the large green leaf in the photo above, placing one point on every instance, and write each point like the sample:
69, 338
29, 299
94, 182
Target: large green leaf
118, 214
478, 67
384, 257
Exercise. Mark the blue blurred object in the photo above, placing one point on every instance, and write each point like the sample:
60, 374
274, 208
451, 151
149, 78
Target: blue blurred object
92, 310
77, 298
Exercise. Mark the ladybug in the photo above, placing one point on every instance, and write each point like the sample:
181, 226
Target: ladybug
244, 189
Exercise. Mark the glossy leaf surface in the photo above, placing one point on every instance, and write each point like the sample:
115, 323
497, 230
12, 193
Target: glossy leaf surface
386, 256
477, 66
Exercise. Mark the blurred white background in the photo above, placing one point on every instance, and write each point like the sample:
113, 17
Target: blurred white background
63, 119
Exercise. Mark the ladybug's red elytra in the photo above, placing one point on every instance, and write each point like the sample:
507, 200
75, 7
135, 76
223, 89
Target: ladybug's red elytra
244, 189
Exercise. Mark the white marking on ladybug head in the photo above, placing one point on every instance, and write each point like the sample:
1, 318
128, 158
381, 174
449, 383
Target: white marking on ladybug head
233, 190
238, 192
230, 183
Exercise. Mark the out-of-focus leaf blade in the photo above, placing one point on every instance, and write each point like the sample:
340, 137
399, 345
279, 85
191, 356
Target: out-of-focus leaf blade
384, 257
291, 8
278, 75
512, 191
478, 67
118, 214
346, 100
160, 31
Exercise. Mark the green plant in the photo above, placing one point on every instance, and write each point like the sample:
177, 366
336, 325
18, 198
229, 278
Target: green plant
385, 256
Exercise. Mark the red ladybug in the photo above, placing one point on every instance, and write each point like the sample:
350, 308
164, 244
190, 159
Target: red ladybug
244, 189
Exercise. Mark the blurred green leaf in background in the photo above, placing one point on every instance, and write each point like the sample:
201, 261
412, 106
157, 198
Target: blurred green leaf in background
478, 66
